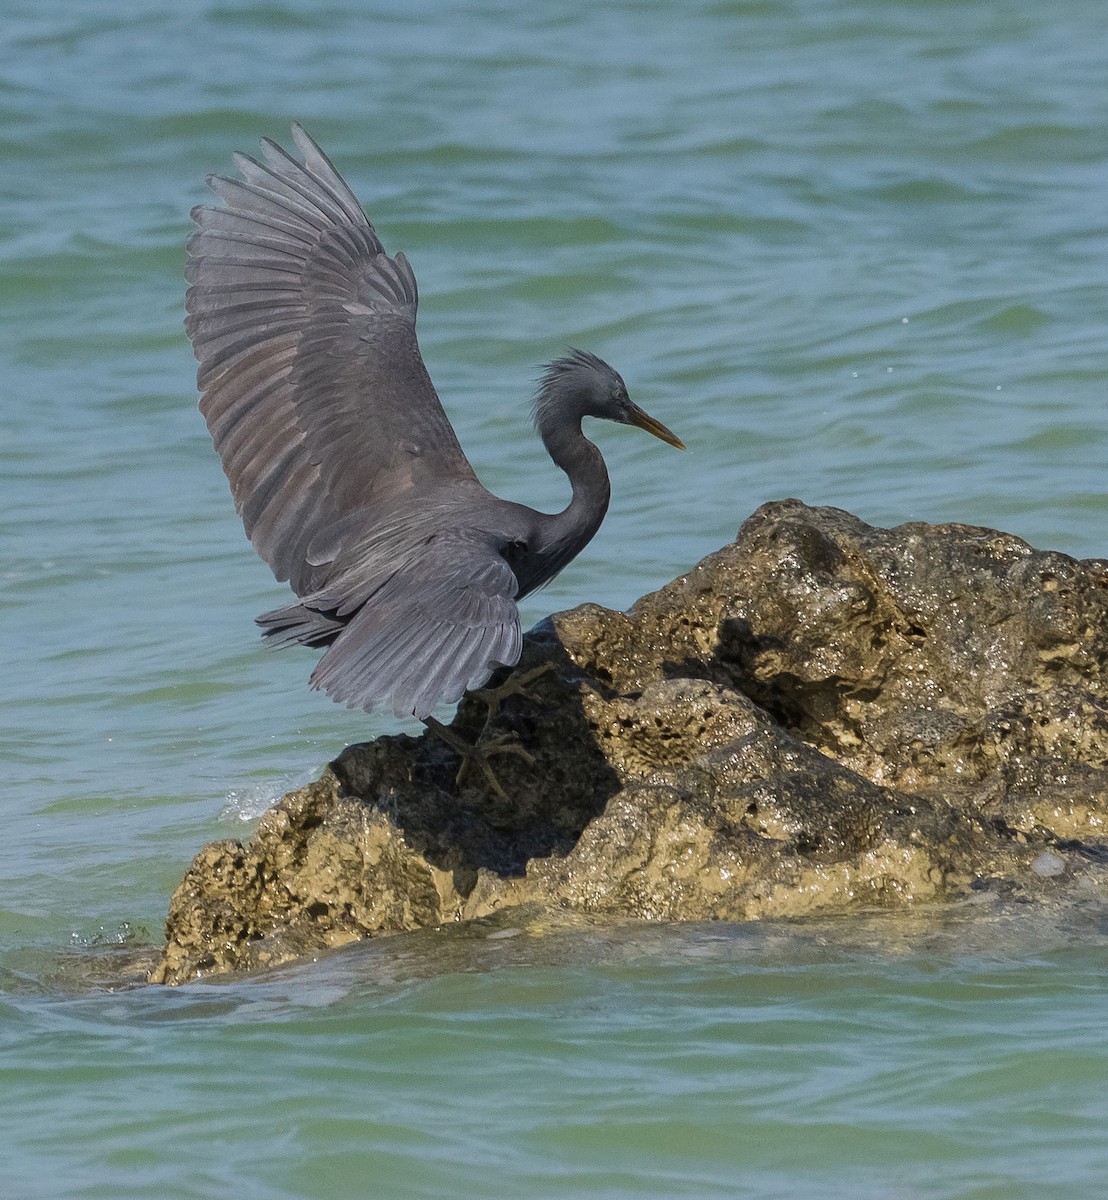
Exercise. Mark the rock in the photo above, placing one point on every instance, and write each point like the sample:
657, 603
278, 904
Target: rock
821, 716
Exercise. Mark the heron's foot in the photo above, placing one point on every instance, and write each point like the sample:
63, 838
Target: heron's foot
515, 685
469, 753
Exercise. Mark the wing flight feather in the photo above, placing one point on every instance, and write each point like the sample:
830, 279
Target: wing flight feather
314, 389
436, 629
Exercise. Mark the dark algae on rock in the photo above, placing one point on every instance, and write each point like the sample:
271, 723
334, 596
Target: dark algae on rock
821, 716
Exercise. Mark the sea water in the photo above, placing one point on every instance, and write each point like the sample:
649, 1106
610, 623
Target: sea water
851, 251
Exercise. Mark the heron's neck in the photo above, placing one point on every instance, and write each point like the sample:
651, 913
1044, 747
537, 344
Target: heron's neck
571, 529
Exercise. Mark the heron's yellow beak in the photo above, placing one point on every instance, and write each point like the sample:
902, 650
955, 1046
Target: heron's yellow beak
643, 420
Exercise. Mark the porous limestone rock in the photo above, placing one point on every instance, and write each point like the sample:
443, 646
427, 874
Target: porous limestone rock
820, 716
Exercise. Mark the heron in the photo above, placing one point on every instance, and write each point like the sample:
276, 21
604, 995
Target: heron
348, 476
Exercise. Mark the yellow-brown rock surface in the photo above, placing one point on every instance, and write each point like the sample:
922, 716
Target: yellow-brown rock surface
820, 716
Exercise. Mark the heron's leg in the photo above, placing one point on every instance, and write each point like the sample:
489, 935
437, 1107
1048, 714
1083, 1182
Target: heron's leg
514, 685
469, 753
498, 743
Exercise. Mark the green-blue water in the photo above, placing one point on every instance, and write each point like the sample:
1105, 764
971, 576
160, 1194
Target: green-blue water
851, 251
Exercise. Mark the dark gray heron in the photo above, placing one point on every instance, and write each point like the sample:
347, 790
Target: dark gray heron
344, 468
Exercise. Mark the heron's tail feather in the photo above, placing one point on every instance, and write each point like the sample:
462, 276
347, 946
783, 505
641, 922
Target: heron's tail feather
299, 626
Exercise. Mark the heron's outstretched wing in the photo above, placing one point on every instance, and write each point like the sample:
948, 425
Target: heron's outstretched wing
314, 389
435, 629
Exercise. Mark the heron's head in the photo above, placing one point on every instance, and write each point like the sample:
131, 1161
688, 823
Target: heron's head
582, 385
